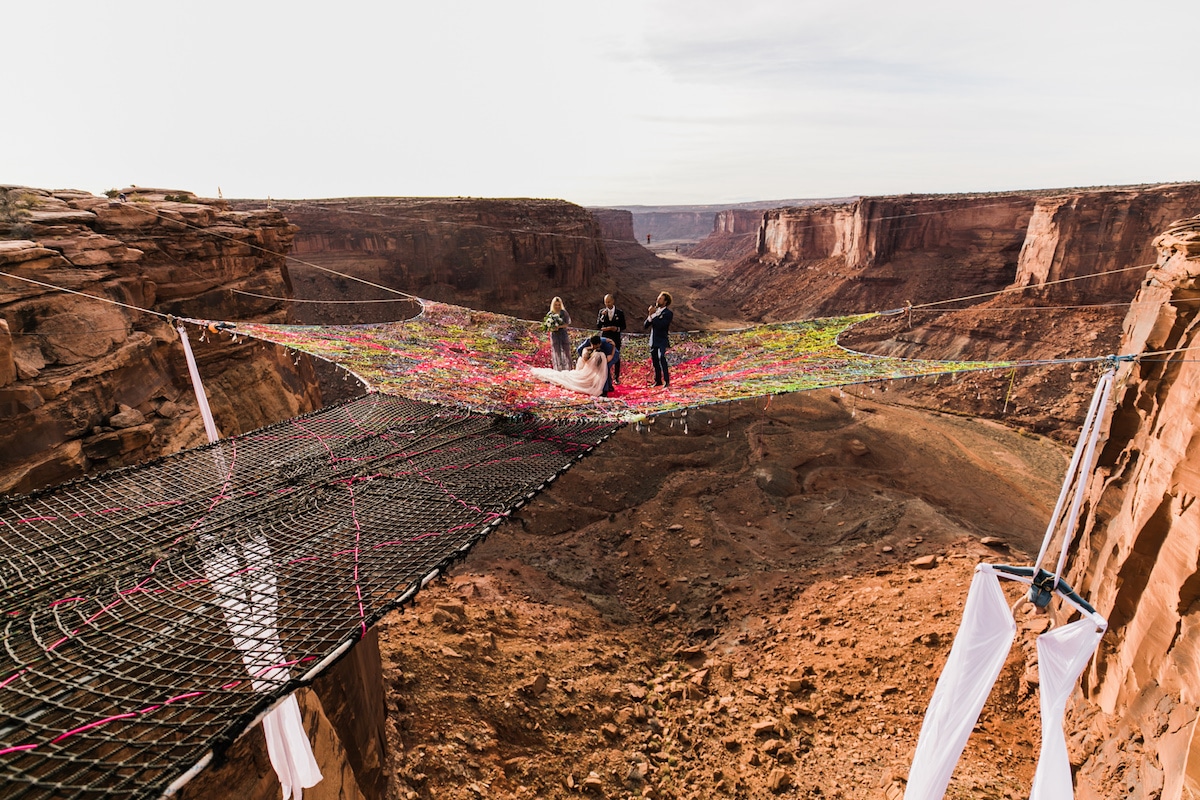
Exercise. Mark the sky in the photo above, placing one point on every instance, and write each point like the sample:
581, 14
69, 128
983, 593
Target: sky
621, 102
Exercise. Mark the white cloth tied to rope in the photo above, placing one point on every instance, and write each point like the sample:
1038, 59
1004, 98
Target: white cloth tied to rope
983, 641
975, 661
976, 658
243, 577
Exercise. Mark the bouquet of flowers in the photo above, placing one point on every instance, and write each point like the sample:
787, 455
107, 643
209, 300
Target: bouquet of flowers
552, 321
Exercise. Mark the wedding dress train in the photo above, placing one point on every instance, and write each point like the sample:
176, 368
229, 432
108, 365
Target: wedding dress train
589, 376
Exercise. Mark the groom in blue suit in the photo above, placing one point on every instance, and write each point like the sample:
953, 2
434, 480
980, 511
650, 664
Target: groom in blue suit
658, 320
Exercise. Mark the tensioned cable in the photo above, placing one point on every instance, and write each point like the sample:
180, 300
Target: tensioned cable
326, 302
268, 251
1014, 290
202, 322
85, 294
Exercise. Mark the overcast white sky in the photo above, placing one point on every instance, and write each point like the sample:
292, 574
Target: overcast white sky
600, 103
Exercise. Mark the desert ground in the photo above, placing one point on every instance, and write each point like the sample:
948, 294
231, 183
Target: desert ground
750, 600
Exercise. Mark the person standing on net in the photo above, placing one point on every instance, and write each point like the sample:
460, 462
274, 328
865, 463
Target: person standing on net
556, 322
658, 320
610, 322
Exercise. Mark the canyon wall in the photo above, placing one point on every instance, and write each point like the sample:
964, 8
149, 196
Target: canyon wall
1138, 554
881, 252
1099, 232
735, 235
509, 256
681, 225
616, 225
87, 385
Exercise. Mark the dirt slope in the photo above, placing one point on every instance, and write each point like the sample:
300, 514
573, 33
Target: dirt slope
743, 620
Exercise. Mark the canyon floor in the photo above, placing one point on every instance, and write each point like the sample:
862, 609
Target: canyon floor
751, 601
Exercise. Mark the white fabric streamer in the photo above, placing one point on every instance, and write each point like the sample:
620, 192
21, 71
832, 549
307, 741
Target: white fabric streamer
243, 578
210, 426
250, 601
1062, 655
975, 661
289, 749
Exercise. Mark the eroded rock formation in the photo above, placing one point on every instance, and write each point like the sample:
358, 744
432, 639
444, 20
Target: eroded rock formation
881, 252
735, 235
1138, 556
1015, 259
502, 255
88, 385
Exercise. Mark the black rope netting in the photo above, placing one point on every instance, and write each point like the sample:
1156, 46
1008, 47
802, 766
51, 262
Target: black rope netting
153, 614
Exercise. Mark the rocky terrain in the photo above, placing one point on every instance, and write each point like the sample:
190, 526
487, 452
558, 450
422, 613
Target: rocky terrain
764, 614
87, 385
755, 600
502, 255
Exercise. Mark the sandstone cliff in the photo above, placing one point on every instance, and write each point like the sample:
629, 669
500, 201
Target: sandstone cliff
877, 253
503, 255
1138, 555
735, 235
1006, 254
87, 385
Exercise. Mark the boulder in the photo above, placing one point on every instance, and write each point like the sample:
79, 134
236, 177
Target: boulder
776, 479
108, 445
126, 417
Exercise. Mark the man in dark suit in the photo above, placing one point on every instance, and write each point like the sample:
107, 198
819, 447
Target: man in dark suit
658, 320
613, 356
610, 322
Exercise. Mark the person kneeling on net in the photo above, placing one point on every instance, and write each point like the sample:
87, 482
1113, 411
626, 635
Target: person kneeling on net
612, 356
590, 375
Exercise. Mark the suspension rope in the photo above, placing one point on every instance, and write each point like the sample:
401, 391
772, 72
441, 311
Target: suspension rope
1018, 289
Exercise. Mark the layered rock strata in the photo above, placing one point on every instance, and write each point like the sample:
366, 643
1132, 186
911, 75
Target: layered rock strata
880, 252
1037, 275
86, 384
503, 255
1138, 556
735, 235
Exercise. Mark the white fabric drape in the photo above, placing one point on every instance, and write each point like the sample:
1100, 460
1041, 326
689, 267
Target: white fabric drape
250, 603
243, 578
588, 377
976, 658
210, 426
1062, 655
289, 749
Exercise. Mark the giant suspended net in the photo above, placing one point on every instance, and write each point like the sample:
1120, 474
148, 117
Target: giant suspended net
151, 614
481, 360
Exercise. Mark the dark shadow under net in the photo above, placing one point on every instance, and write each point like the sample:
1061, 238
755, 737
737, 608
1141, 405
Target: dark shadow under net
153, 614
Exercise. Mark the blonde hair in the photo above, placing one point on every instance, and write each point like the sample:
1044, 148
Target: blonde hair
560, 303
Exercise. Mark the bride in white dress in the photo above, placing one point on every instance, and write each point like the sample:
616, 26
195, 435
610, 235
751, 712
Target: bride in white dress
589, 376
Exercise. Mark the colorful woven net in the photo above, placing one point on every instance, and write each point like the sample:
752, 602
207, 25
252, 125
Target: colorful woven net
481, 361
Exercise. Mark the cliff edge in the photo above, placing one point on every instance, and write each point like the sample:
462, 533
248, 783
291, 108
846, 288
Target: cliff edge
88, 385
1138, 556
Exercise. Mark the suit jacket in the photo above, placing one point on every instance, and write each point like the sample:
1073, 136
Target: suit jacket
658, 329
618, 320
